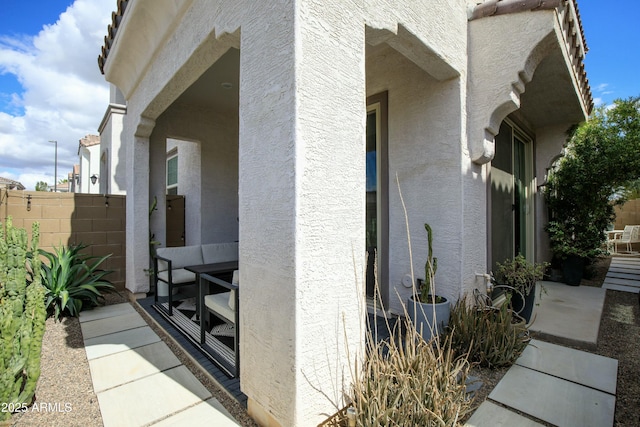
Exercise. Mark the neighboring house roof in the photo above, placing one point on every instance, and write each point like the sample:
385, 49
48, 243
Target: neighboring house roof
10, 184
116, 17
88, 141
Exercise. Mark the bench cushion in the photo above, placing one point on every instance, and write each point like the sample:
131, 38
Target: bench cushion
219, 252
232, 295
178, 276
219, 304
180, 256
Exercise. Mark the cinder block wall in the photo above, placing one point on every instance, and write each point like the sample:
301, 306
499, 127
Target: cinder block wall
70, 219
628, 214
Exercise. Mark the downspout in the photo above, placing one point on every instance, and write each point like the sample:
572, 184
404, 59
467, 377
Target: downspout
502, 7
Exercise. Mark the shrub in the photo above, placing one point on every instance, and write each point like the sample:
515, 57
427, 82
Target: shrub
22, 318
408, 381
73, 281
488, 335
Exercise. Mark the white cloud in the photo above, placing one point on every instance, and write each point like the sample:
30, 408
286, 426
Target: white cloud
64, 95
601, 87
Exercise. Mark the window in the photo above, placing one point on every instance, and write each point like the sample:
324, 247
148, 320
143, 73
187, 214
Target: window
172, 172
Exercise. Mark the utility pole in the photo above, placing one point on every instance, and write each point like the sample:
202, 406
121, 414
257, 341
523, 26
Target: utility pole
55, 178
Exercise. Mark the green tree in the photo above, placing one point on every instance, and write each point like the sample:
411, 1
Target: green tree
42, 186
601, 161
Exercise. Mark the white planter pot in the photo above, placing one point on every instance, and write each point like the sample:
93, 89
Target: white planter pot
429, 319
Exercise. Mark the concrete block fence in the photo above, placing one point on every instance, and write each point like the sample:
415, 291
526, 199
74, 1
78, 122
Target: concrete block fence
70, 219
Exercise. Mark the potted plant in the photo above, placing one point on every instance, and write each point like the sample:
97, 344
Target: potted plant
519, 277
572, 249
429, 313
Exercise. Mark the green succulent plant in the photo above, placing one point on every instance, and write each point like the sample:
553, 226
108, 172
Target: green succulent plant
22, 317
73, 280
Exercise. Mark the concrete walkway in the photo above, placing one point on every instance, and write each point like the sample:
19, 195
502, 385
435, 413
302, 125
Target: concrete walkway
140, 382
623, 275
555, 384
138, 379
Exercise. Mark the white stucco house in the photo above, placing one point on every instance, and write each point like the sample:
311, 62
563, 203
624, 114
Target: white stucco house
306, 121
112, 158
88, 178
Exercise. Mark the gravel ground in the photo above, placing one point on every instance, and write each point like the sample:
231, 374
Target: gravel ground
65, 397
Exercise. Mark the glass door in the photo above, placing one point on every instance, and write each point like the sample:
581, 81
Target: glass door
511, 180
372, 197
376, 216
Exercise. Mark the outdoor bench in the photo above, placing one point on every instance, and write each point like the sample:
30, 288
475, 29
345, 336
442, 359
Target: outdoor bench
169, 263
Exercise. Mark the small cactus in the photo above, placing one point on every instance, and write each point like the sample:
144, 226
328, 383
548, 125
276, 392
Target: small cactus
430, 268
22, 316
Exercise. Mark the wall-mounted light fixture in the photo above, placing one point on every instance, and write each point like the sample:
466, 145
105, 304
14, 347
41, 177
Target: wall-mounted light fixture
29, 202
106, 201
94, 178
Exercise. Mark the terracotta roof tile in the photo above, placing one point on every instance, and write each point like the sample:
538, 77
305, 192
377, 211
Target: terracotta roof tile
90, 140
10, 184
112, 30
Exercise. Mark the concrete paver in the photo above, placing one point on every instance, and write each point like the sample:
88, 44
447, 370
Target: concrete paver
554, 400
119, 341
106, 311
571, 313
151, 398
623, 275
137, 378
580, 367
108, 325
490, 414
126, 366
209, 412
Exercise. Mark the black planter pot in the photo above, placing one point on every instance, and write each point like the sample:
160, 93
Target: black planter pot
524, 307
573, 270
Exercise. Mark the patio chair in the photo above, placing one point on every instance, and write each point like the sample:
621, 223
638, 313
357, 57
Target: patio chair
224, 306
631, 234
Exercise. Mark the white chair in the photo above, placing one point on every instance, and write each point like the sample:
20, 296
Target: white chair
630, 234
224, 306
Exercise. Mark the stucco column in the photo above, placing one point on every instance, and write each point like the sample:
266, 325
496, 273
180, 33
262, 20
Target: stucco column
138, 204
301, 208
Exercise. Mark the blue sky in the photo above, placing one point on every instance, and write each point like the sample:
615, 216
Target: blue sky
613, 38
51, 88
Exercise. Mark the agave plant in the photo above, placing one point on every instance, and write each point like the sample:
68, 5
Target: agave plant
73, 280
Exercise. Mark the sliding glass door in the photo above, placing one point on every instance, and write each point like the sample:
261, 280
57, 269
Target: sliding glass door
511, 195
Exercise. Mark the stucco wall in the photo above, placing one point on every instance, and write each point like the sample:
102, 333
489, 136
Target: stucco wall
301, 166
425, 152
112, 174
207, 169
549, 142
